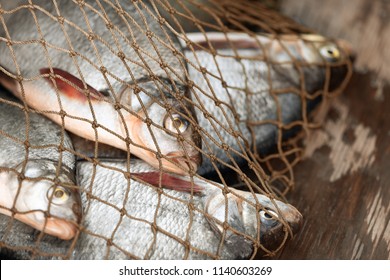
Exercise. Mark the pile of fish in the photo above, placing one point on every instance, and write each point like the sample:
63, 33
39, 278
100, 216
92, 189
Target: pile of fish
180, 106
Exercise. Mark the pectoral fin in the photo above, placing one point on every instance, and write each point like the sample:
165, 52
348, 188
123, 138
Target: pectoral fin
70, 85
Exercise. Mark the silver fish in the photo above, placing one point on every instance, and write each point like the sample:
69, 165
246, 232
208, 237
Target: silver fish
106, 71
37, 171
132, 219
240, 82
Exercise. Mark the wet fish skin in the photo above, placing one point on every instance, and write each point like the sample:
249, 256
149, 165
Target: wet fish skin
41, 192
125, 217
235, 107
117, 65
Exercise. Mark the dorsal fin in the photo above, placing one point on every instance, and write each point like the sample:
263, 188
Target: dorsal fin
68, 89
168, 181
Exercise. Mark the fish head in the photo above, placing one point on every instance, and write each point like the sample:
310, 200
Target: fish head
323, 64
165, 124
46, 202
245, 218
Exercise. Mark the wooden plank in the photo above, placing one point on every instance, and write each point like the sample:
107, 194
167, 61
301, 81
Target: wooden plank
343, 184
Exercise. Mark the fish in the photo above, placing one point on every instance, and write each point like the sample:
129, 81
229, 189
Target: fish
133, 211
37, 171
108, 72
249, 90
137, 219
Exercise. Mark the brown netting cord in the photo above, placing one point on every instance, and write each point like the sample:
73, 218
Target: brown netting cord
268, 173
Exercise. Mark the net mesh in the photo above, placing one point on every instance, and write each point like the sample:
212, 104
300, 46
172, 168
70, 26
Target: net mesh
178, 124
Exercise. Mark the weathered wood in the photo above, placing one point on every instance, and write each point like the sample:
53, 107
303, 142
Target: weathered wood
364, 23
343, 184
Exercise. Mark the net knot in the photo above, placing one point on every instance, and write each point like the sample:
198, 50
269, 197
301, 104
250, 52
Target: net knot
175, 52
149, 34
135, 45
21, 176
61, 148
81, 3
72, 53
95, 162
103, 69
109, 25
148, 121
61, 19
128, 140
123, 212
225, 147
26, 144
136, 89
161, 21
180, 138
212, 157
190, 84
121, 55
117, 106
43, 42
95, 125
62, 113
163, 65
91, 36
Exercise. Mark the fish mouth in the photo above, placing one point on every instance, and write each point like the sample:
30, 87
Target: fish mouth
294, 219
187, 163
347, 49
63, 229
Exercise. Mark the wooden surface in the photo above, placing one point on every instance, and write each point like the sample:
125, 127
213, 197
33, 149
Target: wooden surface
343, 184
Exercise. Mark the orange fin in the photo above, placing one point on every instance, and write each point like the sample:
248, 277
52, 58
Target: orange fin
71, 89
168, 181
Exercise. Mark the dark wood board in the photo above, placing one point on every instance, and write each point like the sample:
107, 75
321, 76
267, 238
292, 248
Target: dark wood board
343, 183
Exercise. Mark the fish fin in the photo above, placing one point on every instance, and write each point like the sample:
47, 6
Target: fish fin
70, 85
218, 40
168, 181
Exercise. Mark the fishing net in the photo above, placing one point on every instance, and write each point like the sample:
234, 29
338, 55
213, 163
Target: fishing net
179, 113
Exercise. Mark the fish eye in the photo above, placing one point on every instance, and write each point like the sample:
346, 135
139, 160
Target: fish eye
268, 215
330, 52
60, 195
176, 123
